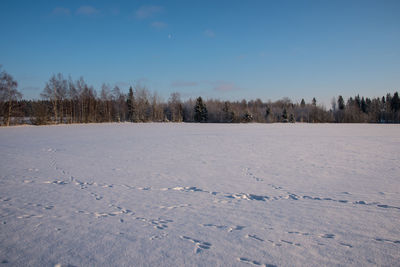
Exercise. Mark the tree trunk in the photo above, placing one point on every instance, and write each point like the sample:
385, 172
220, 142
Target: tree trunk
9, 112
55, 110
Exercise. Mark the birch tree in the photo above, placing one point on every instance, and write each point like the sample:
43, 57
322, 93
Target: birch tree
8, 94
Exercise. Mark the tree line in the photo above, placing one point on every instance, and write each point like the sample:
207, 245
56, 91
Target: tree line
65, 100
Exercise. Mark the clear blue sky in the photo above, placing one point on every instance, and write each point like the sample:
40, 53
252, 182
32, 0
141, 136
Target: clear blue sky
219, 49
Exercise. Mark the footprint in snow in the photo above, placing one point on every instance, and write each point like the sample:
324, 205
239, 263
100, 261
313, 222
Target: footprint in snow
298, 233
58, 182
255, 237
159, 224
161, 236
346, 245
225, 227
290, 243
244, 196
330, 236
199, 245
387, 207
387, 240
253, 262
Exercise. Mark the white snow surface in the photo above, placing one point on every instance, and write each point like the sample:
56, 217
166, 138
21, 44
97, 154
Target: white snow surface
200, 195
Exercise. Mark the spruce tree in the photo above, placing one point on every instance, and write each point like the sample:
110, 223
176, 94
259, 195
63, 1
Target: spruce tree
228, 113
303, 103
129, 103
291, 118
395, 102
200, 111
284, 115
340, 102
247, 117
267, 113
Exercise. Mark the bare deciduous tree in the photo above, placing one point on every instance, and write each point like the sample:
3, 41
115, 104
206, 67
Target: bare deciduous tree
8, 93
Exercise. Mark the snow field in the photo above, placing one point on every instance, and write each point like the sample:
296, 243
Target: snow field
200, 195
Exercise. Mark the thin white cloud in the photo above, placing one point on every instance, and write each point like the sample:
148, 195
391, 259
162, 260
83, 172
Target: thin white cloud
61, 11
218, 86
148, 11
142, 80
114, 11
209, 33
225, 87
122, 84
159, 25
183, 83
87, 11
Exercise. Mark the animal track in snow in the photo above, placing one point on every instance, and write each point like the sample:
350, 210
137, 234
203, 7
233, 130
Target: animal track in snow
298, 233
175, 207
160, 236
330, 236
290, 243
253, 262
255, 237
119, 211
248, 261
357, 202
259, 239
58, 182
245, 196
388, 207
251, 175
326, 236
275, 187
97, 196
199, 245
27, 216
188, 189
292, 196
144, 188
159, 224
345, 244
225, 227
387, 240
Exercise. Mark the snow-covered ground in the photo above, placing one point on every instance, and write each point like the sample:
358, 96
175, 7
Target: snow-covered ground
200, 195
